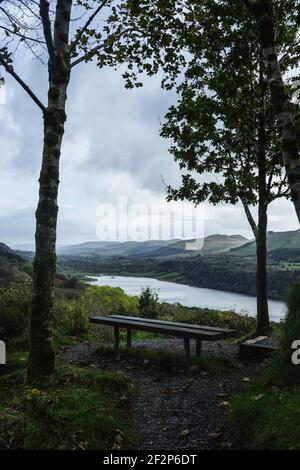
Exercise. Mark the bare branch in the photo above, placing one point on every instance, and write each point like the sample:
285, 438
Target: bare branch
10, 31
44, 12
87, 24
9, 69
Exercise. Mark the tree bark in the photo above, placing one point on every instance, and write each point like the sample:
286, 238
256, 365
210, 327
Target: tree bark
263, 322
41, 355
260, 229
263, 13
260, 233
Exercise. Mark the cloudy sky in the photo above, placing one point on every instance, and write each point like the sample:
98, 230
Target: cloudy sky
111, 149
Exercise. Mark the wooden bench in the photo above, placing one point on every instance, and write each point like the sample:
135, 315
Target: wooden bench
180, 330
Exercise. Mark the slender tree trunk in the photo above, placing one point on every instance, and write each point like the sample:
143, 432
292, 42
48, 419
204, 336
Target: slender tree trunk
260, 233
42, 356
263, 323
263, 13
260, 229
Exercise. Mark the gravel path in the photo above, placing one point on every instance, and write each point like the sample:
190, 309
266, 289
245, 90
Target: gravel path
176, 410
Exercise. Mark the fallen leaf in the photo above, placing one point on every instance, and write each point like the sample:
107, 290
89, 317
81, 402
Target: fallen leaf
215, 435
258, 397
185, 433
203, 373
223, 404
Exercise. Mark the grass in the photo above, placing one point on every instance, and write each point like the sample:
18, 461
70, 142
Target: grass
265, 419
78, 409
167, 360
267, 415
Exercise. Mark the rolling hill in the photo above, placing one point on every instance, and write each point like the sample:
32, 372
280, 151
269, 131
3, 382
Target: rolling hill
278, 242
212, 244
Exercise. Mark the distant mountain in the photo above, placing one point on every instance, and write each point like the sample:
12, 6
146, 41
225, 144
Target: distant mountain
212, 244
114, 248
278, 242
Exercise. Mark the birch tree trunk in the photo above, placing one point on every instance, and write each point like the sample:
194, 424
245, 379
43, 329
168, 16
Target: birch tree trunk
263, 13
41, 355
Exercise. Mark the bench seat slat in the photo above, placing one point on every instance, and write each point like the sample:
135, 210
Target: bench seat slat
227, 331
158, 328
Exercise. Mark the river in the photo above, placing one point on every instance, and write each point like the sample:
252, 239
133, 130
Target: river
191, 296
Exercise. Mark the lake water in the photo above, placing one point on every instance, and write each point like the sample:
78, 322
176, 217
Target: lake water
191, 296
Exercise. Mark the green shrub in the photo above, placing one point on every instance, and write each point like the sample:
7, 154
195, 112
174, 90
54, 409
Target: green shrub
71, 317
290, 332
148, 303
15, 302
222, 319
281, 369
106, 300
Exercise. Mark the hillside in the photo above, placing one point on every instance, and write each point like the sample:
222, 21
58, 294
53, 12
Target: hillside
212, 244
285, 243
114, 248
11, 265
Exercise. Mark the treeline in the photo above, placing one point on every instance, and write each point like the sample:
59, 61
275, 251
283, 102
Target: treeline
223, 272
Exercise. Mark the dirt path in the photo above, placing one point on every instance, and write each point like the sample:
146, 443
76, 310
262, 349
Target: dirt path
175, 410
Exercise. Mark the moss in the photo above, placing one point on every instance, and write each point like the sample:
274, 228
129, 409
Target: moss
76, 409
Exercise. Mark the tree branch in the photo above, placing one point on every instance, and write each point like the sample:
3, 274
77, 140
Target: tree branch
44, 12
95, 49
249, 217
9, 69
22, 35
87, 24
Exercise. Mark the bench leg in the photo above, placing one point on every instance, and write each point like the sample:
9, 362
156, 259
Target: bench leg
187, 347
129, 337
117, 337
198, 347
